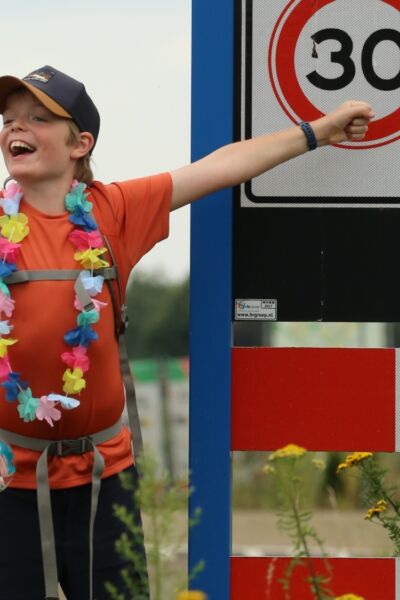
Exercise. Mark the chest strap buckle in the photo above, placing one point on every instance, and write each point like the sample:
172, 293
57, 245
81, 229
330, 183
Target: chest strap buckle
69, 447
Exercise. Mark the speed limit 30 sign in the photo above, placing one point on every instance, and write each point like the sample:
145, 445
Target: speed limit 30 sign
300, 59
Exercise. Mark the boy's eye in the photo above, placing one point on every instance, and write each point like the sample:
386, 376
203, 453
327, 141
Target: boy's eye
39, 118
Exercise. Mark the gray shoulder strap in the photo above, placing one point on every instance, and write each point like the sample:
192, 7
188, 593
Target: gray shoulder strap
131, 413
109, 273
56, 275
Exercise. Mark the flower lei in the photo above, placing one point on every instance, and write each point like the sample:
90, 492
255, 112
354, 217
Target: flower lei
88, 242
7, 468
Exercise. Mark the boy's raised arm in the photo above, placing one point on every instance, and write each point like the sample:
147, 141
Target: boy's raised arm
241, 161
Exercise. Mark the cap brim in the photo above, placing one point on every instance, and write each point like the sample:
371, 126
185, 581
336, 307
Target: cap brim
8, 84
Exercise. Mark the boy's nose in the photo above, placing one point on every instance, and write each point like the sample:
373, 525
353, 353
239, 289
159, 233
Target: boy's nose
17, 124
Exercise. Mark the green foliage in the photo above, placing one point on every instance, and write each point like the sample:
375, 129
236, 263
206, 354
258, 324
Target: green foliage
252, 490
160, 501
158, 318
295, 521
376, 489
373, 482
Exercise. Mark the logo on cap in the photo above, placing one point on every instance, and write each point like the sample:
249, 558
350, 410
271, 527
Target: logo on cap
43, 76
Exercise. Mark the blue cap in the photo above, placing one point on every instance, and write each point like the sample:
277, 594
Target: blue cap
59, 93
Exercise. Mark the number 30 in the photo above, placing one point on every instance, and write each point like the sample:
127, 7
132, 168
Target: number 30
343, 58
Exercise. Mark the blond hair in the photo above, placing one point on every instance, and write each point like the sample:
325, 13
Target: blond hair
83, 170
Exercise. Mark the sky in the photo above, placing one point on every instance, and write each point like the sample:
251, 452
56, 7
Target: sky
134, 59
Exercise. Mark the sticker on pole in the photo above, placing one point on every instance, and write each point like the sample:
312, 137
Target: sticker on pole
256, 310
299, 60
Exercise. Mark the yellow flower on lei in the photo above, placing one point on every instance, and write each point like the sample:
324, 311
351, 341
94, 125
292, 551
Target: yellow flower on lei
353, 459
14, 227
289, 451
349, 597
4, 342
89, 259
379, 507
74, 381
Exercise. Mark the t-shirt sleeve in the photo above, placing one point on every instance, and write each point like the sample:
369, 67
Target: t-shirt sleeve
142, 208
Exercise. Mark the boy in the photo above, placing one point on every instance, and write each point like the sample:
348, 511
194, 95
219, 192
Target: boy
61, 382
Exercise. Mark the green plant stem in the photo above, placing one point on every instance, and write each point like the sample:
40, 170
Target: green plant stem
303, 539
383, 492
156, 555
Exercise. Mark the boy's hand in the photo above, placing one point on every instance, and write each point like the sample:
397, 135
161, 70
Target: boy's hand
348, 122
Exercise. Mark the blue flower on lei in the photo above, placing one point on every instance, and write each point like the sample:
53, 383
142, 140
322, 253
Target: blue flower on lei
7, 268
13, 386
76, 199
82, 219
93, 285
80, 336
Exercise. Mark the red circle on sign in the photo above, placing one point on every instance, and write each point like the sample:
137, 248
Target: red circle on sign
289, 84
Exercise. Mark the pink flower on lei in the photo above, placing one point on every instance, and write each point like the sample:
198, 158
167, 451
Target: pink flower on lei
12, 189
76, 358
8, 250
5, 368
98, 305
83, 240
47, 411
6, 304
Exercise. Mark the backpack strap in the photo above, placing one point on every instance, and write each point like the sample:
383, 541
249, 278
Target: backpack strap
57, 275
110, 274
121, 314
131, 414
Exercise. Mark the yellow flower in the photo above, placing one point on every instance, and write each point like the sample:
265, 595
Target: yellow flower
379, 507
268, 469
289, 451
318, 463
74, 381
191, 595
353, 459
89, 259
14, 227
4, 342
349, 597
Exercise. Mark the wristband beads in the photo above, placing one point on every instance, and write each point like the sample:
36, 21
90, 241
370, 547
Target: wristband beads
310, 135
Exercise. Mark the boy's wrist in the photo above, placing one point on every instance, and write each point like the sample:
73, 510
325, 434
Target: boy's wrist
309, 133
318, 129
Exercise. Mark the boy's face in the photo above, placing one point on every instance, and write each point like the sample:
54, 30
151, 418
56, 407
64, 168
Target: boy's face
33, 140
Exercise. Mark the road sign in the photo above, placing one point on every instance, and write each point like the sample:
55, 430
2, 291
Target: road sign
300, 59
297, 264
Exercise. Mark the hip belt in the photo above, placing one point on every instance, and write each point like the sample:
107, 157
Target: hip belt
62, 448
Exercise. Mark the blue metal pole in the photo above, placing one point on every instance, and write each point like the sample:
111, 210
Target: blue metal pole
211, 301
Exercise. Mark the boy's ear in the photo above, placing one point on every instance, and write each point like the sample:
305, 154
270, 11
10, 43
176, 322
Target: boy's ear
83, 146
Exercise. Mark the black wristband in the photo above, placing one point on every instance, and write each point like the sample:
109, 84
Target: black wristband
310, 135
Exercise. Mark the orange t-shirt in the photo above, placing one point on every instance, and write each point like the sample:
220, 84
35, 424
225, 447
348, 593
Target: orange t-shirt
134, 215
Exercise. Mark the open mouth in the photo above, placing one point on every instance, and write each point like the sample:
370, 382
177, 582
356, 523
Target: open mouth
18, 147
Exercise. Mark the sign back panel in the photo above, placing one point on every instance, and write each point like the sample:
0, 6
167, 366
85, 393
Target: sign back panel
325, 249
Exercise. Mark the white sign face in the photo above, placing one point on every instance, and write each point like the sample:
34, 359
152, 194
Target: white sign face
301, 59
